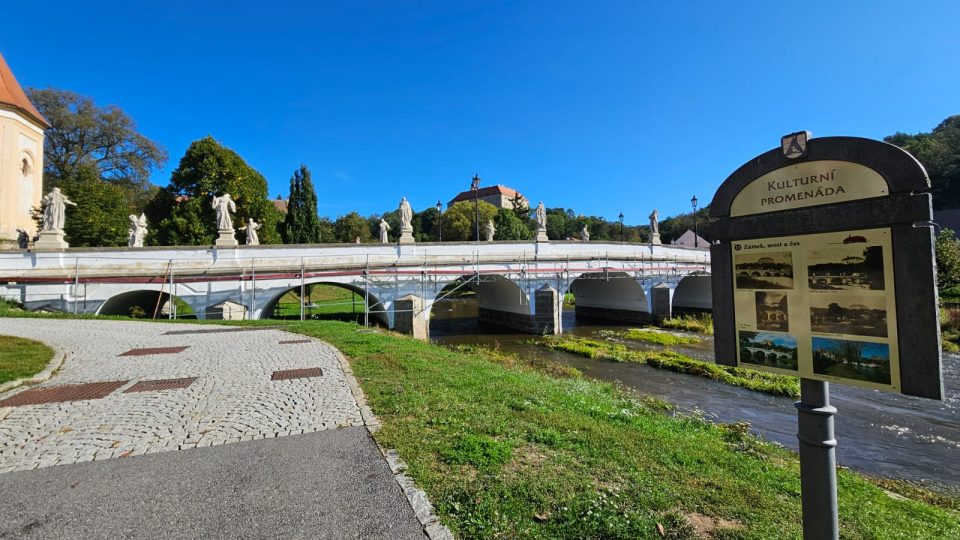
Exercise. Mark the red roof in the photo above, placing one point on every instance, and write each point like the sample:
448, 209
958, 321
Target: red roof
486, 192
13, 96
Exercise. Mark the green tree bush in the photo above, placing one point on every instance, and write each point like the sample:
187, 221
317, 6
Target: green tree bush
939, 152
349, 227
181, 212
948, 260
302, 224
509, 226
459, 220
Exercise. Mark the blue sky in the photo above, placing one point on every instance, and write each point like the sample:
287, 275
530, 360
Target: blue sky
603, 107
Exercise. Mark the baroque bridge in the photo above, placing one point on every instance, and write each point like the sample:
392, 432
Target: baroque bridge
519, 285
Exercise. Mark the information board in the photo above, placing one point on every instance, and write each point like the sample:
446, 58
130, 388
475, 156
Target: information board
818, 306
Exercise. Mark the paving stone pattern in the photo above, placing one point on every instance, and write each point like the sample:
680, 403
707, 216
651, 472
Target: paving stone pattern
233, 398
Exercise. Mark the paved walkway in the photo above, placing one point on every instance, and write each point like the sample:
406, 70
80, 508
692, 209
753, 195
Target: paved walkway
226, 394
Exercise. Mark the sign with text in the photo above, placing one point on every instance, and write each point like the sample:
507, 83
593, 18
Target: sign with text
818, 306
823, 268
808, 184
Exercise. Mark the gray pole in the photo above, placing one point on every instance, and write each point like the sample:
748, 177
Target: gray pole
818, 460
302, 287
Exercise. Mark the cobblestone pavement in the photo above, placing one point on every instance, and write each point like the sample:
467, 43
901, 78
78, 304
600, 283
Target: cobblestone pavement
233, 398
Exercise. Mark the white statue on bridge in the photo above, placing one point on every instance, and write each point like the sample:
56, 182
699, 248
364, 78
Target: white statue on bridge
138, 230
585, 234
223, 206
491, 230
251, 229
541, 223
54, 209
406, 215
654, 226
384, 227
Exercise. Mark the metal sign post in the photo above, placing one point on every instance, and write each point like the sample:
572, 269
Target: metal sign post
823, 269
818, 460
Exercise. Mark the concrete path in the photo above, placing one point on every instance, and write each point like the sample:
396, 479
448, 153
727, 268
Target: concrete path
292, 473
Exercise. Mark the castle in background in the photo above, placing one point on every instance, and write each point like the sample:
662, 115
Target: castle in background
21, 158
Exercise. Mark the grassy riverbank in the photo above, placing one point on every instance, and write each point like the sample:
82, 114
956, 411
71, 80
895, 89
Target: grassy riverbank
20, 358
769, 383
505, 450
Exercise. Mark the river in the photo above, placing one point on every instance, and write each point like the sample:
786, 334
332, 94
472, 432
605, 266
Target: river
878, 433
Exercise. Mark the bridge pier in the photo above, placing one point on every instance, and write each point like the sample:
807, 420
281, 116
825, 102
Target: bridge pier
545, 318
410, 317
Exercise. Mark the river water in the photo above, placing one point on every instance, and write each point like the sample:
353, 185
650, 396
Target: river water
878, 433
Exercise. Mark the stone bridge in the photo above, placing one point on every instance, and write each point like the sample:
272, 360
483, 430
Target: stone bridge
519, 285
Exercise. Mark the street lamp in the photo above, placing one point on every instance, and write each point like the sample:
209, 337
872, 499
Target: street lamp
440, 219
475, 187
621, 226
696, 236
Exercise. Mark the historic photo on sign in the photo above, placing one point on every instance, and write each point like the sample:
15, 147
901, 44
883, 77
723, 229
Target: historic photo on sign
772, 311
850, 359
858, 315
770, 350
847, 266
764, 270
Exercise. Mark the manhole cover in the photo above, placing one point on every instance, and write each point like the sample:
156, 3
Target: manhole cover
154, 350
296, 374
58, 394
295, 341
160, 384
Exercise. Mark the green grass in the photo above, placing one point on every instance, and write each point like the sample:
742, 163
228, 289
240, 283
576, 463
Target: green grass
20, 358
506, 451
768, 383
657, 338
701, 323
512, 447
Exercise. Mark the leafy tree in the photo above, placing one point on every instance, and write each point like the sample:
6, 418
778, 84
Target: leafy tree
948, 259
561, 223
509, 226
83, 134
181, 212
302, 225
328, 234
520, 207
939, 152
459, 221
351, 226
425, 227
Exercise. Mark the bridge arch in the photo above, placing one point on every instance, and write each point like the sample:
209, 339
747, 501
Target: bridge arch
500, 301
612, 296
127, 303
378, 313
694, 294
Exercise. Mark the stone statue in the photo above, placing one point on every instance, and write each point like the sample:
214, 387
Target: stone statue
223, 206
138, 230
54, 208
491, 230
251, 230
23, 239
384, 227
654, 226
406, 215
585, 234
541, 217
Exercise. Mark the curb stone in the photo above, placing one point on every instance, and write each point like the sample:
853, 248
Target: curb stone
59, 357
416, 497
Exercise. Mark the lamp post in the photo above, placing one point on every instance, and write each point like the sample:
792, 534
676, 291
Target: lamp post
621, 226
696, 235
440, 219
475, 187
